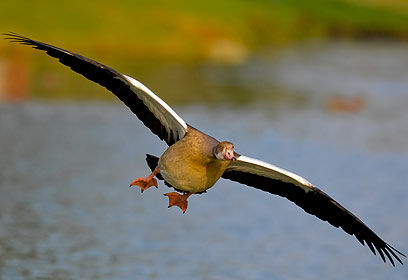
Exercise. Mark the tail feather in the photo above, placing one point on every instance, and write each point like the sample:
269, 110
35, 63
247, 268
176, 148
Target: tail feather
152, 162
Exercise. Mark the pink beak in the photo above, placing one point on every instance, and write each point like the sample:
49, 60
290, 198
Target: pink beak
229, 155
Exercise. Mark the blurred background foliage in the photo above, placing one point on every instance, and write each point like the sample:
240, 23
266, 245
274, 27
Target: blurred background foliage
150, 39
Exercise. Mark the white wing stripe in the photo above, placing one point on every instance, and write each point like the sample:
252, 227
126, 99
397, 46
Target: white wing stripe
271, 171
167, 116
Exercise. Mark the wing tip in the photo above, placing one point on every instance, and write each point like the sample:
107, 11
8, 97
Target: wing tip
14, 37
394, 252
17, 38
386, 251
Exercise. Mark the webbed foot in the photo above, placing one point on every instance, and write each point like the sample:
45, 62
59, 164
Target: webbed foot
179, 200
146, 182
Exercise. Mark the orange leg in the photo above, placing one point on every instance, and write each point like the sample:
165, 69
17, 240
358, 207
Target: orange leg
146, 182
180, 200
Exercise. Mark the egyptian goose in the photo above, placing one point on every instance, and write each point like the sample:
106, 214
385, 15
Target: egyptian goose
194, 161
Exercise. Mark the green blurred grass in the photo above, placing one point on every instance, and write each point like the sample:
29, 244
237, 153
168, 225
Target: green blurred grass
141, 36
187, 30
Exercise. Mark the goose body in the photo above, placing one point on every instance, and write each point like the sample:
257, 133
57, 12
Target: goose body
197, 170
195, 161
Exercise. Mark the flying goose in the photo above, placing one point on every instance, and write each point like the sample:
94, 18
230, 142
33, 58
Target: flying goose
194, 161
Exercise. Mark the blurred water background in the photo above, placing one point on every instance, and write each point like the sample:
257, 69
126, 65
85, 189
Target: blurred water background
316, 87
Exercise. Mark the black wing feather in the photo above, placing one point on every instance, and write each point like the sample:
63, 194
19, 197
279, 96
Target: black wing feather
104, 76
319, 204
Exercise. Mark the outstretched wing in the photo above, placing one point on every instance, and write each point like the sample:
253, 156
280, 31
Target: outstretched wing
148, 107
272, 179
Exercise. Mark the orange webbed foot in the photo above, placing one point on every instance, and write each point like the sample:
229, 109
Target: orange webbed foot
179, 200
146, 182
